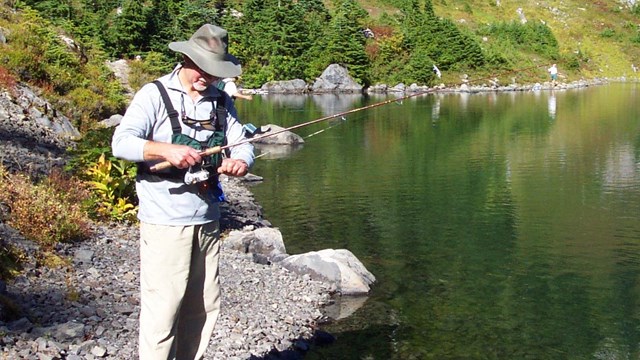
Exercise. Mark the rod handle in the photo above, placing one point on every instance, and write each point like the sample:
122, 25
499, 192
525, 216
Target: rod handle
165, 164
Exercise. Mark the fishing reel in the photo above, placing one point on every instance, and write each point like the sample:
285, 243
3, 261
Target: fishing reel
193, 177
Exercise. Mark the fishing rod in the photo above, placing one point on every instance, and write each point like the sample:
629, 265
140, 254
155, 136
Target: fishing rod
217, 149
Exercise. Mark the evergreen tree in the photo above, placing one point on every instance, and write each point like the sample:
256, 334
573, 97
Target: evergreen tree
52, 9
289, 39
162, 26
129, 30
315, 57
433, 40
191, 15
346, 42
273, 38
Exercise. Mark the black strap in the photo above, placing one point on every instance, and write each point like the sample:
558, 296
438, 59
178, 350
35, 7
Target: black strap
221, 114
173, 114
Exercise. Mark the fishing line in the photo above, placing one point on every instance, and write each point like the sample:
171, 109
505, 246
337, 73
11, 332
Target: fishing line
343, 119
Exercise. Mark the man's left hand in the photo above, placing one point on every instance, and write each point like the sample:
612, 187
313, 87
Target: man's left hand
233, 167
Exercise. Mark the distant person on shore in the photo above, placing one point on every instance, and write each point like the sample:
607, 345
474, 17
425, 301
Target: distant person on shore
553, 71
229, 86
437, 71
179, 212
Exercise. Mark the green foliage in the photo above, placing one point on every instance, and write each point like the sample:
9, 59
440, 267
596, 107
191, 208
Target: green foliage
176, 20
608, 33
574, 61
438, 40
10, 260
89, 148
76, 79
346, 43
316, 19
420, 68
127, 36
499, 59
48, 212
39, 55
532, 37
272, 38
388, 59
150, 67
467, 8
111, 182
55, 9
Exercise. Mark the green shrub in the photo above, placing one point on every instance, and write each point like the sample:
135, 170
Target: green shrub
149, 68
111, 182
94, 142
10, 260
573, 62
531, 37
607, 33
76, 81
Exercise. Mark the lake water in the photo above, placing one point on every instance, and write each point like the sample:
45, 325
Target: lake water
498, 225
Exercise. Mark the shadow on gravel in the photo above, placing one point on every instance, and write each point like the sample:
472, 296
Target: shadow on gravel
31, 141
300, 347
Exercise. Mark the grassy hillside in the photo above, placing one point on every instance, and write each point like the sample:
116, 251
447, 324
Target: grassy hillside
604, 33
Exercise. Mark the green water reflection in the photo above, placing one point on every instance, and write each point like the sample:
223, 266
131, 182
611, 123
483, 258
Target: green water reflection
499, 226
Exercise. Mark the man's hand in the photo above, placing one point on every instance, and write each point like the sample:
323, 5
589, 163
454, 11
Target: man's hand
180, 156
233, 167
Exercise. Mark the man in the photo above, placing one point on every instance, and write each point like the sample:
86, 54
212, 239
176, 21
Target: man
553, 71
179, 214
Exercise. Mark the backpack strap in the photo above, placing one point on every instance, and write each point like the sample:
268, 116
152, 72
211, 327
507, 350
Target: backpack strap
171, 111
221, 113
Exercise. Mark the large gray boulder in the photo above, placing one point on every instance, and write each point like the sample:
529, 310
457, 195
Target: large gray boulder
266, 242
338, 267
280, 136
335, 78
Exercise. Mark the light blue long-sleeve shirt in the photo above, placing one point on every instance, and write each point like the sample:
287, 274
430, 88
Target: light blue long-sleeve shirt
170, 201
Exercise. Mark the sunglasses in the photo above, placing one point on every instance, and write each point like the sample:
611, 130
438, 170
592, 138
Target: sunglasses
199, 124
208, 124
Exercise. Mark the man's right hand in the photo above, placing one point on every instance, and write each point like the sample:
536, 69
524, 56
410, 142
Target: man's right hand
180, 156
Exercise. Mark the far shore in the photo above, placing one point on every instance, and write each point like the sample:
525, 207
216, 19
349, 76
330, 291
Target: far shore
463, 87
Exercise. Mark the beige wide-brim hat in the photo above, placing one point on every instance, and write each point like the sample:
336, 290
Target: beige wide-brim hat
207, 47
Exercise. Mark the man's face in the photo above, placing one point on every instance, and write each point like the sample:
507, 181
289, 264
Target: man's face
198, 78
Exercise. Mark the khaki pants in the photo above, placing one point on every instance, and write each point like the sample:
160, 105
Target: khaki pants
179, 290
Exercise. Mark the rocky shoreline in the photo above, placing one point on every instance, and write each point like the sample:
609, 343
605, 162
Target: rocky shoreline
89, 310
